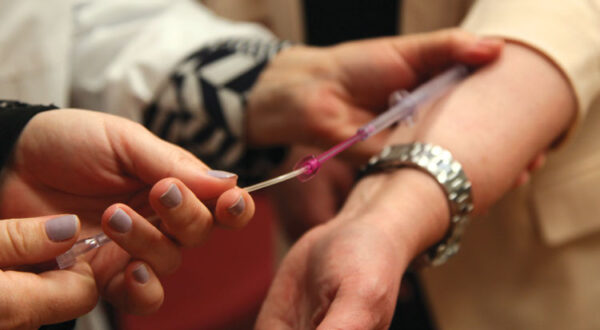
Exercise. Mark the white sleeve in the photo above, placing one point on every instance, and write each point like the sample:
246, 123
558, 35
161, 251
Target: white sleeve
125, 50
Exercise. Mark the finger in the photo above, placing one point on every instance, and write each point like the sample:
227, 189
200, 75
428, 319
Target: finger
151, 159
141, 239
137, 290
537, 162
145, 293
432, 51
183, 216
356, 309
34, 240
234, 208
31, 300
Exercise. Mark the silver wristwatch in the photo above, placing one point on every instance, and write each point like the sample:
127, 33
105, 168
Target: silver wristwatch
438, 163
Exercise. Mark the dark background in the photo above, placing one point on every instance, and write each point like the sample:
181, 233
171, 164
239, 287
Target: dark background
333, 21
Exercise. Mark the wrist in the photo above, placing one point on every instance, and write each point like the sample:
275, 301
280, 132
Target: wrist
407, 205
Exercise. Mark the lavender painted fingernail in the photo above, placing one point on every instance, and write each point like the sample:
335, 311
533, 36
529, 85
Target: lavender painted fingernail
141, 274
221, 174
61, 228
120, 221
172, 197
238, 207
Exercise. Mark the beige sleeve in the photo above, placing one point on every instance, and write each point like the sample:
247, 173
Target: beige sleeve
566, 31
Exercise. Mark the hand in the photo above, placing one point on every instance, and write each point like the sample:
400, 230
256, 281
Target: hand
73, 161
303, 205
405, 210
30, 300
321, 96
346, 273
337, 276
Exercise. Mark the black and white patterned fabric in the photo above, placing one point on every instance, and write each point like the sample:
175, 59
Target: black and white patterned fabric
201, 108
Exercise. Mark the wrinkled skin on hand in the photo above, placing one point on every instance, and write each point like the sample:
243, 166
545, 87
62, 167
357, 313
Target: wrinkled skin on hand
336, 277
345, 274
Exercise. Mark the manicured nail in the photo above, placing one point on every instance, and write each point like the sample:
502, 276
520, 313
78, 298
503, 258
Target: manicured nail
221, 174
120, 221
141, 274
238, 207
61, 228
172, 197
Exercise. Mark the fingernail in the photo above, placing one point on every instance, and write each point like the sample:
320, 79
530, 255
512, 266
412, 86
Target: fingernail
61, 228
238, 207
120, 221
221, 174
141, 274
172, 197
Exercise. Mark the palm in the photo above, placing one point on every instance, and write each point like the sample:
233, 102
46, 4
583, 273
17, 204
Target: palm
335, 275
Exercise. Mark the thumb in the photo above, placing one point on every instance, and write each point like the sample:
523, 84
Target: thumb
29, 300
353, 308
35, 240
430, 52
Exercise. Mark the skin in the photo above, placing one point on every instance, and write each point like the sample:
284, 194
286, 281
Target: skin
320, 96
313, 98
119, 165
345, 274
303, 205
91, 164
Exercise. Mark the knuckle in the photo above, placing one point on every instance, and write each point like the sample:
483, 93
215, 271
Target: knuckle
172, 264
156, 302
455, 34
374, 291
15, 233
453, 38
150, 306
165, 257
192, 229
135, 126
323, 112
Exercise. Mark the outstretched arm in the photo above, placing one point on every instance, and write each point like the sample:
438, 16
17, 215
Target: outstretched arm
494, 124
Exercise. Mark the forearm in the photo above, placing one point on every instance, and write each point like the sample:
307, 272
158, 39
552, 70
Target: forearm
494, 124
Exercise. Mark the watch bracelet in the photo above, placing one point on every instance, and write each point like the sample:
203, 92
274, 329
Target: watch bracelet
438, 163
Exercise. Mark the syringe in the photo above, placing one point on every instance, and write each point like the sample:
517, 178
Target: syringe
403, 107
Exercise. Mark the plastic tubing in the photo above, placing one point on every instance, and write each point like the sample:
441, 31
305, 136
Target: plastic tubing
407, 105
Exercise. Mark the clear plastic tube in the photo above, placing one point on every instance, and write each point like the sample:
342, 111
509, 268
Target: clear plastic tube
406, 106
270, 182
403, 108
81, 247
